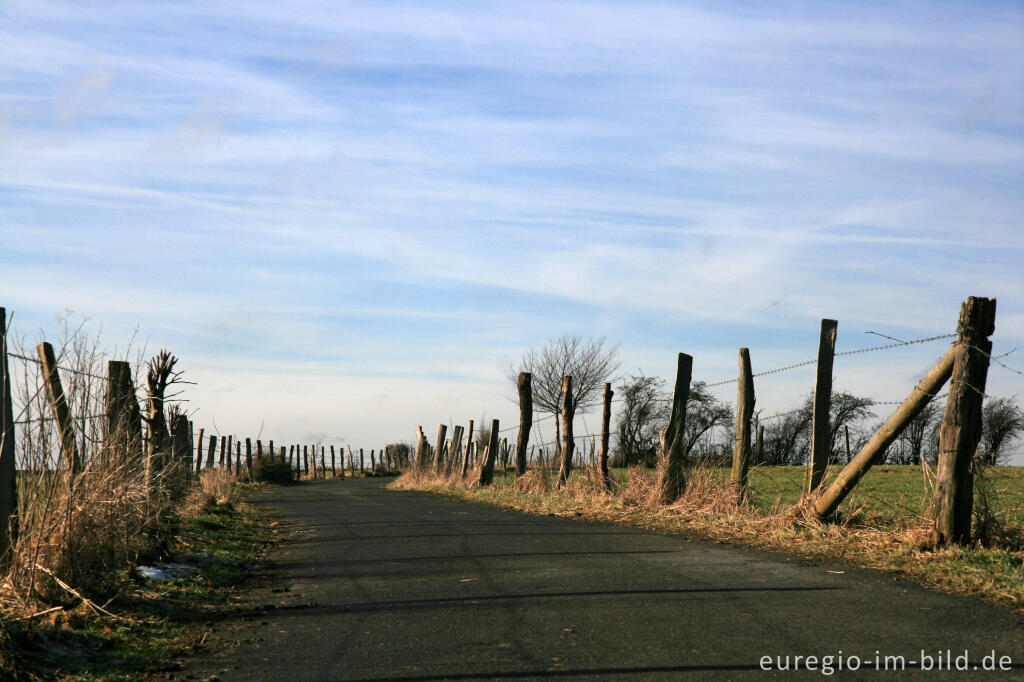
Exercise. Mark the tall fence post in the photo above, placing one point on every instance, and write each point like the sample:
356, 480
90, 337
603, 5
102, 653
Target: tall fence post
525, 387
248, 457
362, 467
333, 471
229, 452
821, 435
961, 423
442, 432
568, 442
122, 438
487, 470
238, 457
744, 411
606, 427
672, 471
455, 453
199, 450
210, 452
8, 467
59, 405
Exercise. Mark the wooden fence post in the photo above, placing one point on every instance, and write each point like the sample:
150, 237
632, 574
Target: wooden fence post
305, 459
229, 451
238, 457
922, 394
210, 452
361, 461
469, 445
223, 448
248, 457
199, 450
487, 470
259, 449
672, 471
568, 442
606, 426
456, 450
962, 421
525, 387
744, 411
284, 455
8, 467
59, 405
821, 434
442, 433
271, 450
333, 470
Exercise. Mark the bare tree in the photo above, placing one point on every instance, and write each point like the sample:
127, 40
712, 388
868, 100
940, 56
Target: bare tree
590, 363
918, 440
704, 414
643, 414
1002, 422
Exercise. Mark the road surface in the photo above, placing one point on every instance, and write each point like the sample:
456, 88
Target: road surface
375, 584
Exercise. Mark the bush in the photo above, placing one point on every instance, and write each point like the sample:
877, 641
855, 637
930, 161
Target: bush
272, 470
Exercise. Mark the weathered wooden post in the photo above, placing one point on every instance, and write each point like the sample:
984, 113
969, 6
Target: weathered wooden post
525, 387
181, 451
606, 425
284, 455
672, 470
442, 433
961, 423
59, 405
744, 411
455, 452
229, 451
8, 468
248, 457
469, 445
922, 394
333, 471
271, 450
199, 450
351, 462
568, 442
259, 449
238, 457
305, 459
223, 449
362, 469
291, 456
487, 470
210, 451
122, 438
821, 434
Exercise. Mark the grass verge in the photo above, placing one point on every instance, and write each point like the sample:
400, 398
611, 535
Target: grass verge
892, 534
149, 623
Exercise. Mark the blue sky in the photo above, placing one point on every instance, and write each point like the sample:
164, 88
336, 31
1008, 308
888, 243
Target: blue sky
348, 219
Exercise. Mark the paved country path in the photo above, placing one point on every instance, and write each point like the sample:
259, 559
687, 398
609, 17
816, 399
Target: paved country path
374, 584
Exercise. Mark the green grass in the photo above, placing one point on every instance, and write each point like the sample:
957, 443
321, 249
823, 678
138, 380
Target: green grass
157, 619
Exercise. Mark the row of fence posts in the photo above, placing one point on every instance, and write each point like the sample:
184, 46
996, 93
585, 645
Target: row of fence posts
162, 444
964, 365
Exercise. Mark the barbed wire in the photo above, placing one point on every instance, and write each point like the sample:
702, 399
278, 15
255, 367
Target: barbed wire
63, 369
807, 363
50, 419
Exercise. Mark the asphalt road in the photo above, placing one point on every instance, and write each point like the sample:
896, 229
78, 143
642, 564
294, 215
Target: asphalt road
375, 584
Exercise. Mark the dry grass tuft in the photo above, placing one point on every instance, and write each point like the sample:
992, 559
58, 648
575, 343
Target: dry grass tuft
533, 481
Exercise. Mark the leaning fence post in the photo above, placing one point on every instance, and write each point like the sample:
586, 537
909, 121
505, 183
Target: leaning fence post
59, 405
850, 474
487, 470
672, 474
469, 444
199, 450
442, 432
568, 442
8, 468
961, 423
821, 435
744, 411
